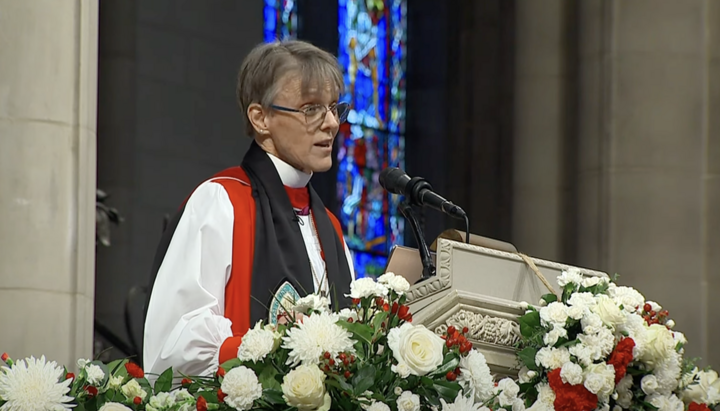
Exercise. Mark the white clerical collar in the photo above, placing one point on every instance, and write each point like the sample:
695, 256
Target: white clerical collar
290, 176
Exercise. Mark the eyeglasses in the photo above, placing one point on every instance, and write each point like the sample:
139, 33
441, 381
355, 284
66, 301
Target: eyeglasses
318, 112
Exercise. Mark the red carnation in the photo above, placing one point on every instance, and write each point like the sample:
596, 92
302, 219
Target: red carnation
621, 356
201, 404
92, 391
220, 372
134, 370
221, 396
698, 407
571, 397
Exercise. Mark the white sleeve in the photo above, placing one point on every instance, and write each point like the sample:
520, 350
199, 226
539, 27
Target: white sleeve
350, 260
185, 326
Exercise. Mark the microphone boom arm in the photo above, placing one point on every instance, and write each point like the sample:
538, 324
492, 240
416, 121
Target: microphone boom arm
427, 263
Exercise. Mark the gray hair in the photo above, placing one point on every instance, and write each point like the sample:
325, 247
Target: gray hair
261, 71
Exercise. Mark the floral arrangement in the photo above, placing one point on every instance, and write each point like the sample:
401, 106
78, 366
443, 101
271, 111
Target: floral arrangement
602, 346
368, 357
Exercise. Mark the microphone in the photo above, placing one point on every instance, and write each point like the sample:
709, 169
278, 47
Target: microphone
417, 191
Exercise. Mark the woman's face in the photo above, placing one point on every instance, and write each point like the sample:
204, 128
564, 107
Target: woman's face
301, 139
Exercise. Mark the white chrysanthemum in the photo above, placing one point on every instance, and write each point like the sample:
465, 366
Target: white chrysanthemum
571, 373
666, 403
668, 373
571, 276
242, 388
551, 358
366, 287
628, 297
395, 282
256, 344
555, 314
377, 406
317, 334
461, 404
507, 391
475, 376
95, 374
407, 401
312, 302
34, 385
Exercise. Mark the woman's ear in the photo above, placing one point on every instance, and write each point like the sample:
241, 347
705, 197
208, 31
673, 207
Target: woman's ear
258, 118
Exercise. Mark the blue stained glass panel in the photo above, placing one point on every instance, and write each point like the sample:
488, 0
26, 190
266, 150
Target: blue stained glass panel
368, 265
280, 20
372, 54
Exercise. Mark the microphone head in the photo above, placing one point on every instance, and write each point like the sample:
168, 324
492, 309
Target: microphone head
394, 180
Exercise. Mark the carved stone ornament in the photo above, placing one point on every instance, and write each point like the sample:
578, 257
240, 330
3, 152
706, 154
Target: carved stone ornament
484, 328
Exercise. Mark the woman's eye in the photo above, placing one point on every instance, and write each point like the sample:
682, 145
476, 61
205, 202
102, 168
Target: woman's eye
313, 110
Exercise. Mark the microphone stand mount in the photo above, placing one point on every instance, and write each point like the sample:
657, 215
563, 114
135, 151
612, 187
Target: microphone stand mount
428, 267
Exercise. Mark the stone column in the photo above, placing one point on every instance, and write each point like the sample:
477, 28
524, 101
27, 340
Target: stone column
542, 111
649, 154
47, 177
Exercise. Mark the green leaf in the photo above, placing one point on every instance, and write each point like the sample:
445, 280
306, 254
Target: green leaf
529, 323
378, 320
426, 381
363, 379
450, 362
446, 389
549, 298
527, 356
116, 366
267, 378
361, 331
230, 364
164, 381
274, 397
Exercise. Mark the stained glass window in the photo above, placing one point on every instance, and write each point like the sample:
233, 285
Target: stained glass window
372, 53
280, 20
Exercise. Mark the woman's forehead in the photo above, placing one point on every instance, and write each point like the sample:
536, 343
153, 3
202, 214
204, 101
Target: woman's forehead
295, 85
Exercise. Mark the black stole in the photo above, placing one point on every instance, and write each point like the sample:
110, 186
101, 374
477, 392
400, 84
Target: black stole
280, 253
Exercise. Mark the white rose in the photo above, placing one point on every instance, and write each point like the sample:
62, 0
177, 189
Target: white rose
401, 369
114, 406
377, 406
257, 343
304, 387
312, 302
417, 347
551, 358
554, 314
95, 374
608, 311
600, 380
705, 388
395, 282
649, 384
242, 388
658, 344
132, 389
408, 402
571, 373
366, 287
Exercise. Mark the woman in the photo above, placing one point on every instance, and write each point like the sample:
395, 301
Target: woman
254, 234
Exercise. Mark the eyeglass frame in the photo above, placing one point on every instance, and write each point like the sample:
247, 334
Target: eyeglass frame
339, 118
